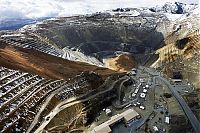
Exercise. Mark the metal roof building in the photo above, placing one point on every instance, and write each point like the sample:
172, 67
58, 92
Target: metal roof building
127, 116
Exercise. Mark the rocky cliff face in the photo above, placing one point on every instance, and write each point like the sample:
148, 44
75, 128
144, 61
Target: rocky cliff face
95, 37
136, 31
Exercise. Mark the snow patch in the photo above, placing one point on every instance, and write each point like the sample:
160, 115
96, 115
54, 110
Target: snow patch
173, 17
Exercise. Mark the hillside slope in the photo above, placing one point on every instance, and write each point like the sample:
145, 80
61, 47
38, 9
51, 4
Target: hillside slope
49, 66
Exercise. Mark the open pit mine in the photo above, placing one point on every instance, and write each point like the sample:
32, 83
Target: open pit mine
123, 70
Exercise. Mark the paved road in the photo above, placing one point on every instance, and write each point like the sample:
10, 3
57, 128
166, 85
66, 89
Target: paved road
193, 120
44, 106
190, 115
140, 122
66, 104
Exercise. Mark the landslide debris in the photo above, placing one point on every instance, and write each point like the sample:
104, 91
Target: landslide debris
121, 63
48, 66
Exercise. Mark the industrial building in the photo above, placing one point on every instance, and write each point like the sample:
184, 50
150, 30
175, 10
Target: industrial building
127, 116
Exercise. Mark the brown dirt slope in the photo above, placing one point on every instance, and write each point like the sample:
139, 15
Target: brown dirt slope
186, 61
48, 66
121, 63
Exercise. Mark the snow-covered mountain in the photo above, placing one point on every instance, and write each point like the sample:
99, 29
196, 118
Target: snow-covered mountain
175, 8
14, 24
15, 14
